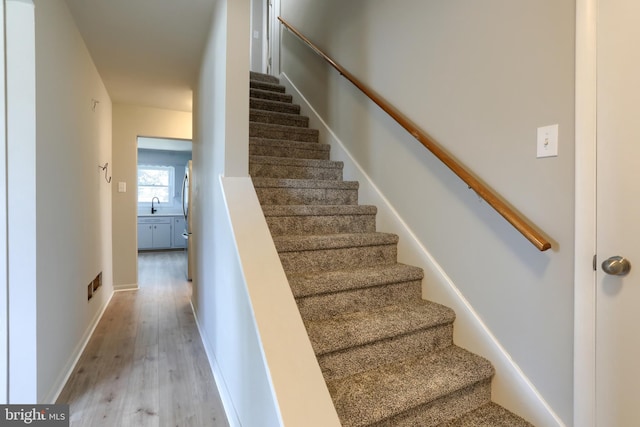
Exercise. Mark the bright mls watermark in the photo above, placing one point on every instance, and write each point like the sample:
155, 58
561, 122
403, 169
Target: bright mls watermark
34, 415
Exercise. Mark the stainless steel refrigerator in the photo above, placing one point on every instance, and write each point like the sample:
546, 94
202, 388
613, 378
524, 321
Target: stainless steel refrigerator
186, 209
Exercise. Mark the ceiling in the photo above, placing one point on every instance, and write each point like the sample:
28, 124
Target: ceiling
146, 51
169, 144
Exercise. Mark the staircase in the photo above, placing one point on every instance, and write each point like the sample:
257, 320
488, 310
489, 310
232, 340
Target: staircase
387, 356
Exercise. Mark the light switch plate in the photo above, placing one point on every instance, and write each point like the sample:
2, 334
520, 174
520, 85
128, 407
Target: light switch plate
547, 141
122, 187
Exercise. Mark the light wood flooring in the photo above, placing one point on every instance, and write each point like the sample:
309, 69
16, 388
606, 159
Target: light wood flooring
145, 364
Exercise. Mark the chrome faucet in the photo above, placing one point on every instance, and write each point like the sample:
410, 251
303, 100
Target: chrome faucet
153, 209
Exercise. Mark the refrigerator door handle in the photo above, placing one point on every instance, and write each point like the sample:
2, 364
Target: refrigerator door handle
184, 184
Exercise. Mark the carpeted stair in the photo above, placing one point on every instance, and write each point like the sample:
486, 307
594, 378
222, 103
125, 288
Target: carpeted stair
387, 355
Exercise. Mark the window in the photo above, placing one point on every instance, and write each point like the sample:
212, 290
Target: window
155, 181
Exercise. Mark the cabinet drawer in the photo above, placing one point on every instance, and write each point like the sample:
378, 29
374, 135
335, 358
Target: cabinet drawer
151, 220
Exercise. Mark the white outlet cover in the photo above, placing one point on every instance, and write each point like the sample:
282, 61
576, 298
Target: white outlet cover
122, 187
547, 141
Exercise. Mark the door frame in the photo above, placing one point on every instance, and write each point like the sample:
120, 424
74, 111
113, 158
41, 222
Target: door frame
584, 383
4, 283
20, 110
274, 37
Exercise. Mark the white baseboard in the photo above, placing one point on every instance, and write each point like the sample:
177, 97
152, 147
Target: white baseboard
130, 287
62, 379
225, 396
510, 387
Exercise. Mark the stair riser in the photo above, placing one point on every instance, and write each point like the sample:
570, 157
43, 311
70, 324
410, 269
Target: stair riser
442, 410
259, 116
260, 130
315, 224
257, 84
264, 104
306, 196
317, 307
272, 96
359, 359
263, 77
337, 259
291, 151
294, 172
310, 285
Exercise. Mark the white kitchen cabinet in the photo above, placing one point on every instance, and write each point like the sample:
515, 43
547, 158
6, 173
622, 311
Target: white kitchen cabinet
145, 236
178, 229
161, 236
154, 233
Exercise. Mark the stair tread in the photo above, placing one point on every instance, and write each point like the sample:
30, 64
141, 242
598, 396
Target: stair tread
490, 414
257, 93
304, 285
289, 243
288, 161
273, 126
287, 143
276, 113
267, 94
317, 210
278, 117
367, 326
255, 75
389, 390
263, 104
304, 183
295, 170
260, 84
273, 147
294, 133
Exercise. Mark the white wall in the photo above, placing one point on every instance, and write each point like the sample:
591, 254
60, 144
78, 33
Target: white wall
220, 148
73, 200
258, 40
21, 201
130, 122
480, 78
255, 339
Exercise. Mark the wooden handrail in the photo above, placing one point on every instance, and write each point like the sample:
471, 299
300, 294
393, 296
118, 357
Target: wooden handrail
528, 231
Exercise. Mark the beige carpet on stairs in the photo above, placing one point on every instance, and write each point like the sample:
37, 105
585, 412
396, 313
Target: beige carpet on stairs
387, 355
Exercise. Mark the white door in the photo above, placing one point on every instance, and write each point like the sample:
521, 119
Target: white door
618, 213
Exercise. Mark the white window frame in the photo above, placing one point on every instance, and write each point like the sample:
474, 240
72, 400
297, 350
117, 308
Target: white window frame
172, 183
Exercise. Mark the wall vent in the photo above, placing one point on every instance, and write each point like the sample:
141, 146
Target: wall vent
95, 284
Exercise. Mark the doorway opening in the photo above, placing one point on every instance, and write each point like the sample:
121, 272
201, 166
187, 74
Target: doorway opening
162, 194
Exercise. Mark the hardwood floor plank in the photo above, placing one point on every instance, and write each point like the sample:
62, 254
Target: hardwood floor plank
108, 398
145, 364
142, 405
95, 366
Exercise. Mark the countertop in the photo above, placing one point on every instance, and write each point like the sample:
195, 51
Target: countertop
159, 215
